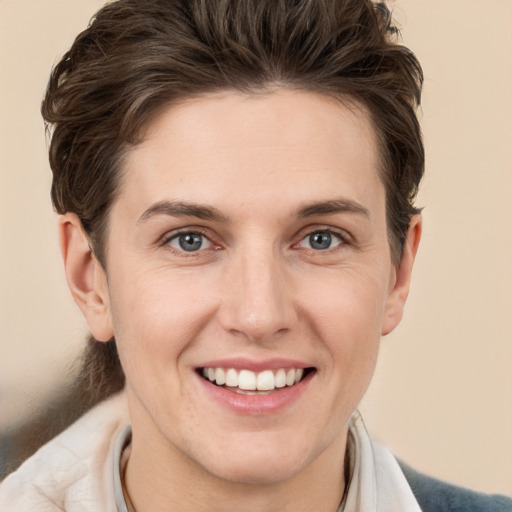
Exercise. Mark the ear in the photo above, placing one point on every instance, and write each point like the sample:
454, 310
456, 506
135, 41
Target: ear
86, 277
402, 279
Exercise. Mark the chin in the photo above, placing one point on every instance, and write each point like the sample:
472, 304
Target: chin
257, 471
255, 458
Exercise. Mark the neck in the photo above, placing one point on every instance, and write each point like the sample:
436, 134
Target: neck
157, 480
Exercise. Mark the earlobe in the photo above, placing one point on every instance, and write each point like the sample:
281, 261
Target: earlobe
85, 276
397, 297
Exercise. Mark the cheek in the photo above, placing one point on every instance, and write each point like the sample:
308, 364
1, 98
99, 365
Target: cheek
346, 314
156, 315
347, 301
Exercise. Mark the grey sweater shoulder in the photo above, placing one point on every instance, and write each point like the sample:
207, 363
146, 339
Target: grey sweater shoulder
434, 495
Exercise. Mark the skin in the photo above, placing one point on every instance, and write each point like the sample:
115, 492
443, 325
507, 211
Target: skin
256, 289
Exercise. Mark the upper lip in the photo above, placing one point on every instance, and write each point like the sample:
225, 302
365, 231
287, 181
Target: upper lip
243, 363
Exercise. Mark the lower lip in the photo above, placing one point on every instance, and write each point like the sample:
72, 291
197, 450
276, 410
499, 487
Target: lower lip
257, 405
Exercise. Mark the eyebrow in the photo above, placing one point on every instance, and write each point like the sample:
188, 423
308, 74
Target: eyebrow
182, 209
332, 207
187, 209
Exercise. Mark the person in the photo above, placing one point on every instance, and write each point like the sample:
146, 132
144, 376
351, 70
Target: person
236, 184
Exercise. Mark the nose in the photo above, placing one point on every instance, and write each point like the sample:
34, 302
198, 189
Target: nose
258, 295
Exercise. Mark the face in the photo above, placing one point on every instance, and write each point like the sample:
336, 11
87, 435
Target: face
249, 280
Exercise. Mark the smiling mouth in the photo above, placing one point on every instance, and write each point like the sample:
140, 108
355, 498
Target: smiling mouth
247, 382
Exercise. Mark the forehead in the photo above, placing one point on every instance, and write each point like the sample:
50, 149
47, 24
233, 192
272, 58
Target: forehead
283, 145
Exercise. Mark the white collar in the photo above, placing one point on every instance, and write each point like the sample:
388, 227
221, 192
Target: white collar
377, 483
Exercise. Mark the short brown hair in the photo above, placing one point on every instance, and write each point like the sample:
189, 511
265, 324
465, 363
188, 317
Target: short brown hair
136, 57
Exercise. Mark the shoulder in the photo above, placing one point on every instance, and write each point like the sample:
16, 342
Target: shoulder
73, 468
434, 495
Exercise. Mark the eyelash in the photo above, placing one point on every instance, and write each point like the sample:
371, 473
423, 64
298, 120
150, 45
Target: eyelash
166, 241
340, 236
332, 233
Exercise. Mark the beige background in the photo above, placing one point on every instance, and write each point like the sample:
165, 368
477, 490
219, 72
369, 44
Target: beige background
442, 395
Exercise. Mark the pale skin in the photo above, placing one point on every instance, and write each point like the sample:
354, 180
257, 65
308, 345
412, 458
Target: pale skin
259, 181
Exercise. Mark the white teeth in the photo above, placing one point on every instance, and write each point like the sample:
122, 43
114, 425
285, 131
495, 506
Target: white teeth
220, 376
280, 378
248, 380
265, 381
232, 378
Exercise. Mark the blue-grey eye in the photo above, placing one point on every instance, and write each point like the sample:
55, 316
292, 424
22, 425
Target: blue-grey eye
321, 240
189, 242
